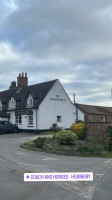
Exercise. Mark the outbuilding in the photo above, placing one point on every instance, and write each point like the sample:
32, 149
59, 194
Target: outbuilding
90, 113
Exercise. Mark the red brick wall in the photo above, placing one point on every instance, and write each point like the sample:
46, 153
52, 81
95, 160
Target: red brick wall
97, 130
97, 118
108, 118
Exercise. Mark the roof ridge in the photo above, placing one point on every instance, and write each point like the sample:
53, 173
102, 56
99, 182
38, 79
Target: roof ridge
42, 82
93, 105
28, 86
95, 109
8, 90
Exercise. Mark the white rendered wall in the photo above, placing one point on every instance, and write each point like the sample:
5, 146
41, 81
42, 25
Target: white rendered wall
50, 109
12, 117
4, 118
24, 124
80, 115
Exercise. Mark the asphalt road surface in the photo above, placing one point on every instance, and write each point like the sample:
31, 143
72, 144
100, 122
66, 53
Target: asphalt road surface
14, 162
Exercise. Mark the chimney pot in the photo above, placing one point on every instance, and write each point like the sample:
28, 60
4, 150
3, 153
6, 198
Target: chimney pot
22, 80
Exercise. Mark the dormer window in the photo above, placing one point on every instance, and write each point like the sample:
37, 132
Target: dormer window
0, 105
30, 101
12, 103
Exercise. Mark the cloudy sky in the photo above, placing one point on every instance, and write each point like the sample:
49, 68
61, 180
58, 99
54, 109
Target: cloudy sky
69, 40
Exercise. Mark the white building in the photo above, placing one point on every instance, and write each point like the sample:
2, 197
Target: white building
37, 107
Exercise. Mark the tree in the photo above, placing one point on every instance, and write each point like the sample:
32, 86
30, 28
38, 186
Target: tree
12, 85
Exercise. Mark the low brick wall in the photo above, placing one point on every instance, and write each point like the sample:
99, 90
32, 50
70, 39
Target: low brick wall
97, 130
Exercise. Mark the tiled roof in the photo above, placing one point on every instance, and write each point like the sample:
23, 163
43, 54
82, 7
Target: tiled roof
38, 92
3, 114
95, 109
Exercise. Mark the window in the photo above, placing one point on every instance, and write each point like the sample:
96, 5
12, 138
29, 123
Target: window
12, 104
30, 101
104, 118
18, 119
59, 118
18, 102
30, 120
0, 105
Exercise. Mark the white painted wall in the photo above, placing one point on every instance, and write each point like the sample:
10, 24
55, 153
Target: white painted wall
4, 118
24, 124
50, 109
80, 115
12, 117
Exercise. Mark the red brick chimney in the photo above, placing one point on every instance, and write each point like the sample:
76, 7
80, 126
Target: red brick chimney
22, 80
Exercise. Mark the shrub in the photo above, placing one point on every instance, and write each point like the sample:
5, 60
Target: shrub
109, 130
90, 150
109, 139
79, 129
66, 137
104, 154
109, 143
39, 142
83, 149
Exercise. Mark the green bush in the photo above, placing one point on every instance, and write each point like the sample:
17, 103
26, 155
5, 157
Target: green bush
79, 129
109, 130
83, 149
109, 143
104, 154
66, 137
90, 150
39, 142
109, 139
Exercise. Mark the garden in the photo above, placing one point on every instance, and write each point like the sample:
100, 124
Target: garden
72, 142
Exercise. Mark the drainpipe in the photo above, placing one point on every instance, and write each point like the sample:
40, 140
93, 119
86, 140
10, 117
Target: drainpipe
76, 114
74, 98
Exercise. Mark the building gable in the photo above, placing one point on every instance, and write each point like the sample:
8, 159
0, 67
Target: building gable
57, 94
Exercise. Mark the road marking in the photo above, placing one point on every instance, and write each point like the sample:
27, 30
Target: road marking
50, 159
2, 160
99, 174
108, 161
25, 164
29, 164
21, 153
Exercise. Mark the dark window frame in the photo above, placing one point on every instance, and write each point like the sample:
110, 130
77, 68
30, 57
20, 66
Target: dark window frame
18, 119
59, 118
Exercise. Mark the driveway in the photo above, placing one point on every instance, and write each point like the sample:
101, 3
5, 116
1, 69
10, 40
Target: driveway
14, 162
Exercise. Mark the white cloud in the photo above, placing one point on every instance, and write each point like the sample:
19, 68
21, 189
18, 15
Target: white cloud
12, 6
6, 52
70, 40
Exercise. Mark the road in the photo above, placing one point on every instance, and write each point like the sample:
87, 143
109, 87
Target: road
14, 162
